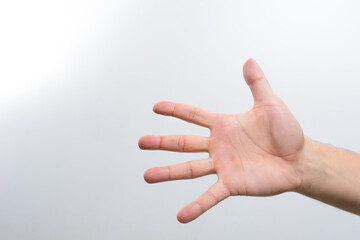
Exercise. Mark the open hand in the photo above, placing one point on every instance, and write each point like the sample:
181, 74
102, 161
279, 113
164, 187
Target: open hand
254, 153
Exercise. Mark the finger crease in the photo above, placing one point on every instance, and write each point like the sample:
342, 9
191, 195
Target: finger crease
227, 189
212, 165
181, 143
160, 142
173, 110
169, 172
201, 208
192, 114
190, 170
212, 196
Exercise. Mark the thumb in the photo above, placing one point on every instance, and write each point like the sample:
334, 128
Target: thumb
257, 82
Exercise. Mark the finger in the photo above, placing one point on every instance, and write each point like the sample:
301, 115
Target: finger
257, 82
176, 143
187, 170
186, 112
210, 198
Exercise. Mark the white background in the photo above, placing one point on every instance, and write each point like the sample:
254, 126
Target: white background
78, 80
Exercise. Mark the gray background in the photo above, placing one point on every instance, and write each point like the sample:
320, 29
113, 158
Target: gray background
78, 80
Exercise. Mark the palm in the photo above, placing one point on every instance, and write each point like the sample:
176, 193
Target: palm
250, 159
253, 153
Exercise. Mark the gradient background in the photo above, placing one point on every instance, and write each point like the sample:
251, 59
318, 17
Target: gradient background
78, 80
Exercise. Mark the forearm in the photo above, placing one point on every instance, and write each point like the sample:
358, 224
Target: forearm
331, 175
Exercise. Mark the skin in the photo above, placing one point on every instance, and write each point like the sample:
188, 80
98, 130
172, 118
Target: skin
261, 152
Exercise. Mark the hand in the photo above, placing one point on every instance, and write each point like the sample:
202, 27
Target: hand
255, 153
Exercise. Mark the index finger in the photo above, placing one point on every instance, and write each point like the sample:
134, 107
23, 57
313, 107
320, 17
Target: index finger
186, 112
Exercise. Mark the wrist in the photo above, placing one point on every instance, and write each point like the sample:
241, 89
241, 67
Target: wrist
305, 165
330, 175
318, 167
